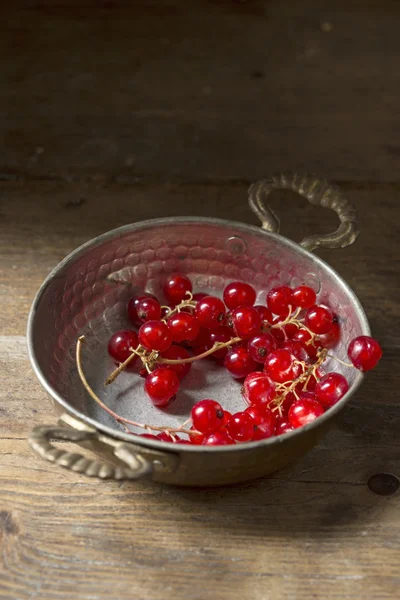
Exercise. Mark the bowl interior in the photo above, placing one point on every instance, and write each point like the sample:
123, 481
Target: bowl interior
88, 294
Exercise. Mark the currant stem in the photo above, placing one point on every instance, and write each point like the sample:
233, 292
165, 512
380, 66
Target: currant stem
341, 361
118, 418
123, 365
217, 346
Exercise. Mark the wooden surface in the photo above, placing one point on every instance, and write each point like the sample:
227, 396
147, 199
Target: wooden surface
111, 114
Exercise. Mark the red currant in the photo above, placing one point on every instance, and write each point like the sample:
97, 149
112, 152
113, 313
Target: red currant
280, 366
305, 338
148, 309
297, 349
155, 335
364, 352
330, 339
161, 385
258, 389
119, 344
199, 296
218, 438
207, 416
176, 352
283, 426
279, 299
133, 306
266, 428
176, 288
164, 436
221, 334
304, 411
196, 438
303, 296
319, 319
201, 340
241, 427
260, 346
239, 362
246, 321
239, 294
183, 327
149, 436
265, 314
210, 312
330, 389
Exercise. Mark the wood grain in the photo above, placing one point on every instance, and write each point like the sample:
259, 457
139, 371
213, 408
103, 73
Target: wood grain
200, 90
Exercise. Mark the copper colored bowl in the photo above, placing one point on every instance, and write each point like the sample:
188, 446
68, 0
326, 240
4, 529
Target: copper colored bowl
87, 294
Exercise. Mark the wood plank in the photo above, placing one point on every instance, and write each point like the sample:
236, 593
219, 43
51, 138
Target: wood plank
203, 90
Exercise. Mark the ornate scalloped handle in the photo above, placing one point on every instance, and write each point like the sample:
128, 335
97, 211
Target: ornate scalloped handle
318, 192
136, 462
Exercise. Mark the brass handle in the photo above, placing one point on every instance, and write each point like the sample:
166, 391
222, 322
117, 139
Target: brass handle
318, 192
135, 465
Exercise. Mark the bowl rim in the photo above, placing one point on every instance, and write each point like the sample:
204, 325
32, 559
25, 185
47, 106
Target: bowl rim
159, 444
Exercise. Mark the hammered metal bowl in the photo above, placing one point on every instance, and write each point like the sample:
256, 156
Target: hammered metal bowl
87, 293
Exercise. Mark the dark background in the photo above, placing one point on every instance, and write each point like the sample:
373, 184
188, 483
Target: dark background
112, 112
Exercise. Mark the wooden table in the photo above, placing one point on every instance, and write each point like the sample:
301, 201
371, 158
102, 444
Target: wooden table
112, 114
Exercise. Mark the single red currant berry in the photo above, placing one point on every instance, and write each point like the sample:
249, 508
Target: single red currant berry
304, 411
364, 352
196, 438
266, 315
319, 319
164, 436
222, 334
283, 426
239, 362
241, 427
258, 389
207, 416
260, 346
176, 288
183, 442
297, 349
201, 340
210, 312
305, 338
199, 296
227, 416
133, 306
246, 321
266, 428
176, 352
161, 385
331, 388
284, 405
149, 436
239, 294
155, 335
218, 438
279, 299
148, 309
120, 344
280, 366
303, 297
183, 327
290, 329
256, 413
330, 339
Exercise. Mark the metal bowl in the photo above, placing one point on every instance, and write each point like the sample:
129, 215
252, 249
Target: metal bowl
87, 294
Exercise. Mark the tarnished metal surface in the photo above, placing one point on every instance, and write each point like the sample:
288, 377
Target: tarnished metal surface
88, 292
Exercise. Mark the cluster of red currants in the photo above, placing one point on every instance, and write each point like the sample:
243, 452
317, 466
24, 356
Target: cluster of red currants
277, 350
